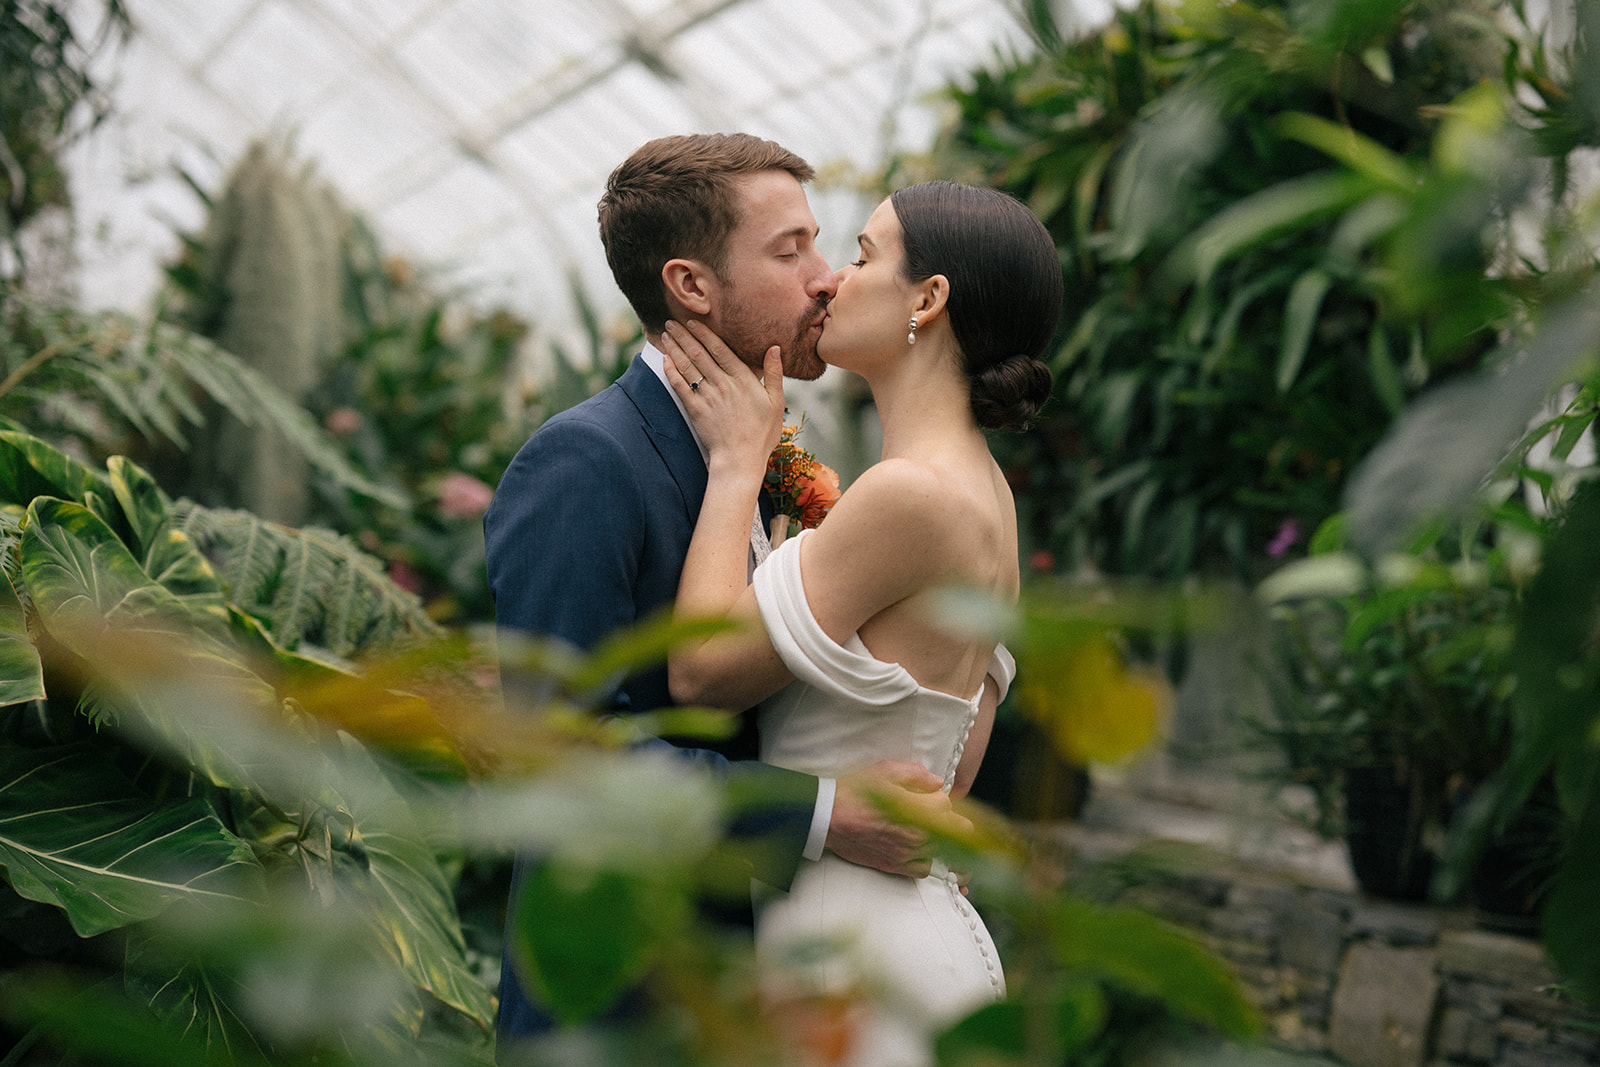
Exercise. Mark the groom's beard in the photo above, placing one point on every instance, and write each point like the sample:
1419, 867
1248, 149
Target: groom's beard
750, 332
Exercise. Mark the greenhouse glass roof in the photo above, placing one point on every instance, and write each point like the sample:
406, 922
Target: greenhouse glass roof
476, 134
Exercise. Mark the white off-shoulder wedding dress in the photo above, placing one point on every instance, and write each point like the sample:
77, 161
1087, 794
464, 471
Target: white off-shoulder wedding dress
914, 950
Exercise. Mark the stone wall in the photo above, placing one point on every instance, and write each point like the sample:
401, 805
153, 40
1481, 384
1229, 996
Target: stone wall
1377, 984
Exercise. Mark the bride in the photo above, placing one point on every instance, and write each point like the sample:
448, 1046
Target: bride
956, 293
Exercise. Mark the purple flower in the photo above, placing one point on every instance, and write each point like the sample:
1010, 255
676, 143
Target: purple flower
1287, 537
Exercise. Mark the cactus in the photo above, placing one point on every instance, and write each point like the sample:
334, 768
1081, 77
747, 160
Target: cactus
270, 285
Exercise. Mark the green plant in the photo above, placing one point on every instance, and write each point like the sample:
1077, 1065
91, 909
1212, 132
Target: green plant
103, 383
1474, 440
1392, 689
433, 396
1237, 334
425, 393
157, 757
243, 831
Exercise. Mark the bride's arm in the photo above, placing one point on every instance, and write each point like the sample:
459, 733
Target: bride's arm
738, 417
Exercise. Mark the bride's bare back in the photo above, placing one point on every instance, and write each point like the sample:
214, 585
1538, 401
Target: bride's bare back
939, 522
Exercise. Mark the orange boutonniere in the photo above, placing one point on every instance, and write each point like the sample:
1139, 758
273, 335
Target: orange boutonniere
803, 490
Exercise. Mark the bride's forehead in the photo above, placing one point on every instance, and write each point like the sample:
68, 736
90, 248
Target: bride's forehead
883, 228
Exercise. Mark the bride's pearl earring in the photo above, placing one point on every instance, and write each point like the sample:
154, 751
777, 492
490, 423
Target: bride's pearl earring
911, 338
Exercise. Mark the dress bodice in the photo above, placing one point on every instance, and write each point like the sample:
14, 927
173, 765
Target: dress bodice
912, 951
848, 710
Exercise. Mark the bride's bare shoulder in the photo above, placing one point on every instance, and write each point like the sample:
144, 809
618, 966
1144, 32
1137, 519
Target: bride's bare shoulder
909, 485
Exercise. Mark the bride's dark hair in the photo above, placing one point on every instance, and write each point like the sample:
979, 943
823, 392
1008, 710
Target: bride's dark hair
1005, 289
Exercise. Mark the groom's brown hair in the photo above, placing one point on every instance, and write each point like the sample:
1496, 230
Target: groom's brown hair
674, 198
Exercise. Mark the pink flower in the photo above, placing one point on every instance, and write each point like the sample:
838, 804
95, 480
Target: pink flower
405, 576
461, 496
343, 421
1042, 561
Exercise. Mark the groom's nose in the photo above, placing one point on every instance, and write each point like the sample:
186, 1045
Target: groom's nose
820, 282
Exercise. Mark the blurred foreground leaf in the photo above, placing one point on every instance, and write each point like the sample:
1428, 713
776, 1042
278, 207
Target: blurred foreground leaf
582, 938
1141, 953
1038, 1026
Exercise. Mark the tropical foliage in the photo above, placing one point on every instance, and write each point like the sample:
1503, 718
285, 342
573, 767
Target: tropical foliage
1496, 451
1240, 329
243, 774
424, 393
160, 757
104, 383
201, 795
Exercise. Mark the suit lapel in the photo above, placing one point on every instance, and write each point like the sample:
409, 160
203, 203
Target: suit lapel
668, 433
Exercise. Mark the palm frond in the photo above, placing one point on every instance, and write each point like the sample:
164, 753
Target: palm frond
146, 375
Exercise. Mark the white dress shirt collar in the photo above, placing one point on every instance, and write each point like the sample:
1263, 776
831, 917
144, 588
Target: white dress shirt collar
656, 360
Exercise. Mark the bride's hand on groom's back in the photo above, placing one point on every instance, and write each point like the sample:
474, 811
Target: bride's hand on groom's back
880, 815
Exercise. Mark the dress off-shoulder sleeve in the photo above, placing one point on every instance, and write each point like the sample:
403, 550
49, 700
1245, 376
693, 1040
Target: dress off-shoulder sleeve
814, 657
1003, 668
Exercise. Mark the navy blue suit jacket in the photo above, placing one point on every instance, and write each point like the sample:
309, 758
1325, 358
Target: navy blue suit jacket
587, 533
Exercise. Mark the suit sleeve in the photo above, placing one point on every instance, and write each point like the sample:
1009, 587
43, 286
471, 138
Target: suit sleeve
564, 534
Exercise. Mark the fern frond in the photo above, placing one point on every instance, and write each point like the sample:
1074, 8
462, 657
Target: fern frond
11, 520
296, 606
306, 586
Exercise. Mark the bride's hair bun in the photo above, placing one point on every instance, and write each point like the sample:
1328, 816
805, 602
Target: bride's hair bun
1009, 394
1006, 289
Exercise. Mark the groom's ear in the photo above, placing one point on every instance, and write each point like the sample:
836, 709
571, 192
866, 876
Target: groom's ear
689, 285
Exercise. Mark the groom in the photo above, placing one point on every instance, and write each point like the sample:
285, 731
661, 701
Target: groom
591, 522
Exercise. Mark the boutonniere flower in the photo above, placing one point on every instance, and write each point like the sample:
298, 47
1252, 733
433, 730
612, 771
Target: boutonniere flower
802, 490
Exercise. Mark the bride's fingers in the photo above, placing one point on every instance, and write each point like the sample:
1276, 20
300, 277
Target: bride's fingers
682, 374
772, 375
713, 346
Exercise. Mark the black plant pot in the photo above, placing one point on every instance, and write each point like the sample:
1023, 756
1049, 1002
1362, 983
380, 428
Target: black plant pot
1386, 814
1513, 874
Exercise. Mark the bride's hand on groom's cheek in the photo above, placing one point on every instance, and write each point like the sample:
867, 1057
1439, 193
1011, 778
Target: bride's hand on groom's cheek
732, 406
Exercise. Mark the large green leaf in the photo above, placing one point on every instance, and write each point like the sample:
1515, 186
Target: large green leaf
30, 468
75, 833
97, 1022
84, 581
413, 903
1355, 150
1451, 439
21, 672
1044, 1025
1554, 707
1300, 316
1263, 215
1145, 955
166, 659
1571, 921
168, 555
